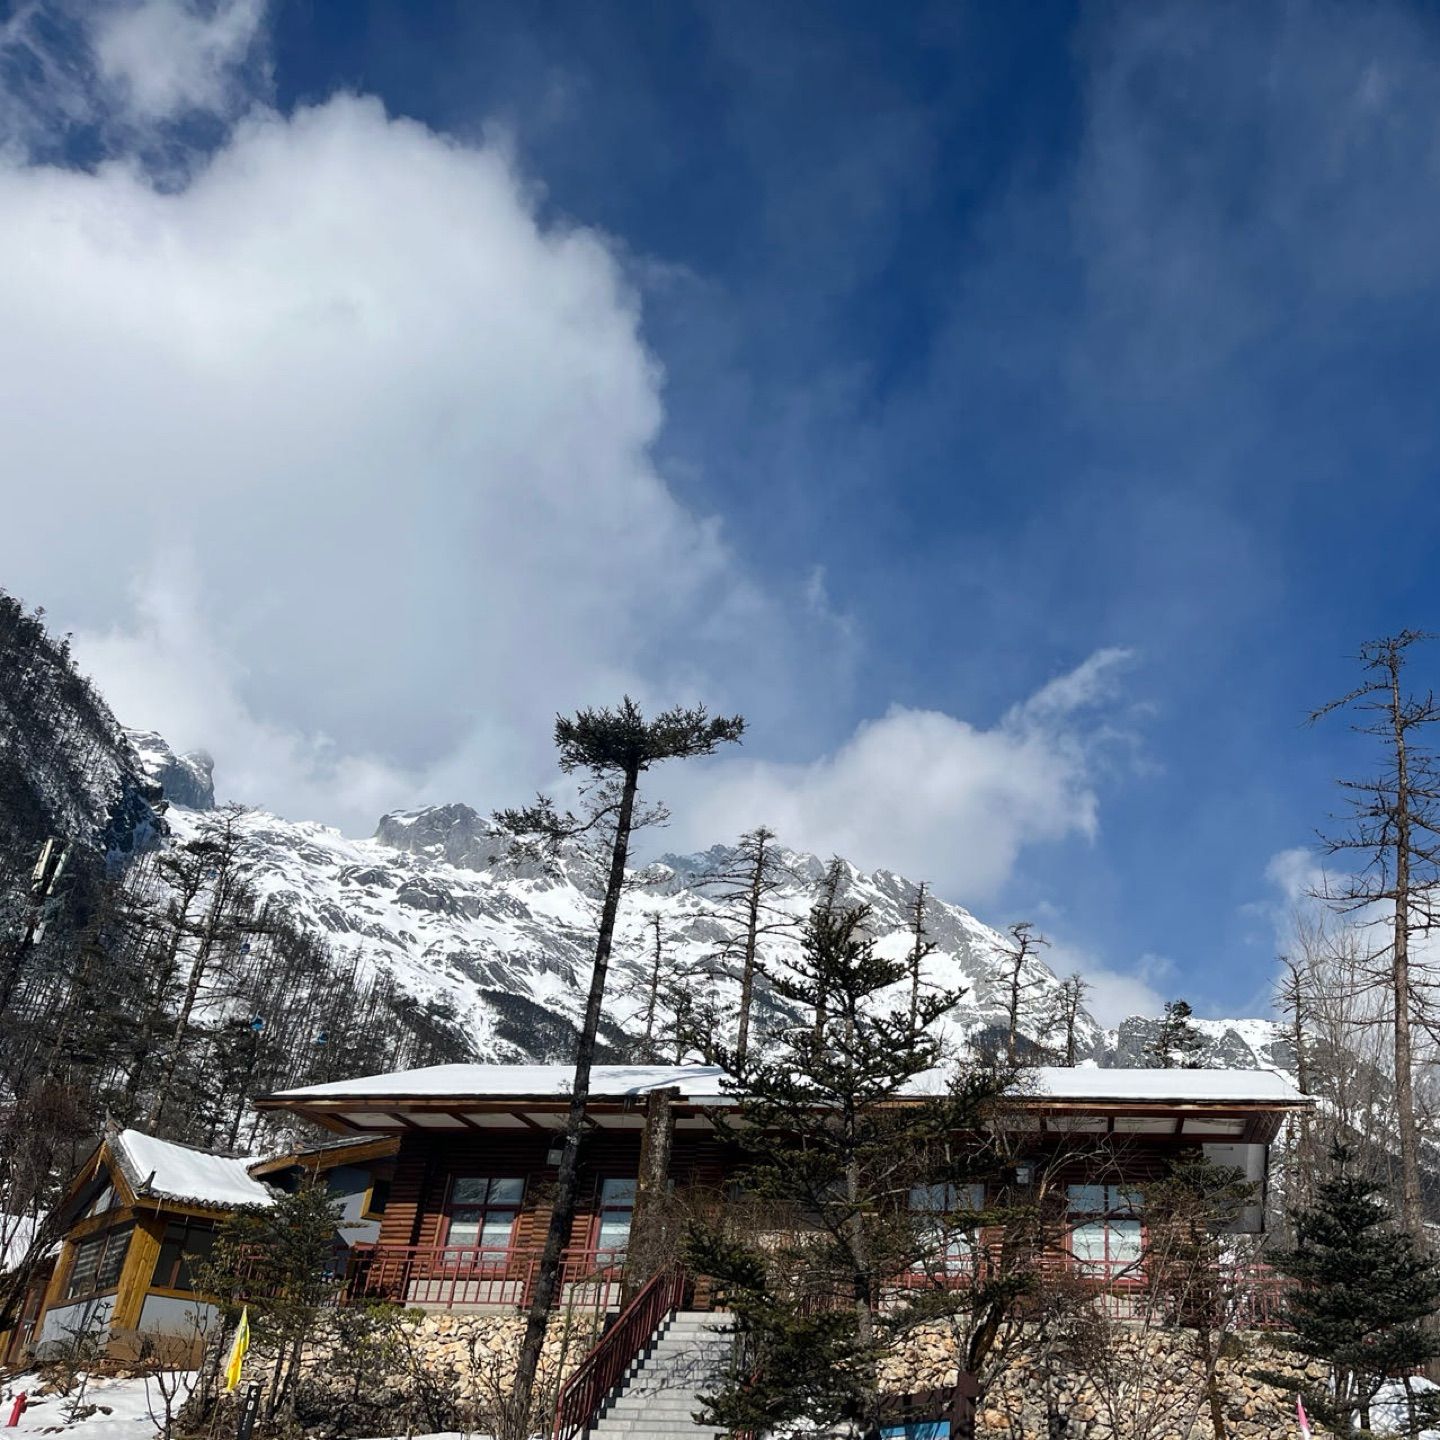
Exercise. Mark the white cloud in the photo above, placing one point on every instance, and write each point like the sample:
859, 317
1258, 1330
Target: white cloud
930, 795
1115, 996
163, 672
403, 431
169, 57
339, 460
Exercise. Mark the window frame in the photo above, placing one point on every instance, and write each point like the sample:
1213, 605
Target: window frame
105, 1237
612, 1254
379, 1177
487, 1254
180, 1266
958, 1246
1119, 1213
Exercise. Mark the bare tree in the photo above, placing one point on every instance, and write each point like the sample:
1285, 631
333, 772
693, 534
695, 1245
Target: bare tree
745, 889
1394, 836
921, 946
1011, 971
1069, 1002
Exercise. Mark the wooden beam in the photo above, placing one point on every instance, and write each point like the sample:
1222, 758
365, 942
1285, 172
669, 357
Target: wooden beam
135, 1274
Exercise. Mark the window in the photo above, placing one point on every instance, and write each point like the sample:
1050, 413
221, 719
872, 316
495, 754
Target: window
104, 1201
1104, 1227
377, 1197
617, 1209
483, 1211
184, 1242
97, 1263
944, 1243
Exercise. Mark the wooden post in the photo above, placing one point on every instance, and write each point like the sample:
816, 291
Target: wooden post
648, 1249
135, 1274
962, 1409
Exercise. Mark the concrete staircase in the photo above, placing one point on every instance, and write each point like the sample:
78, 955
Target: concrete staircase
659, 1394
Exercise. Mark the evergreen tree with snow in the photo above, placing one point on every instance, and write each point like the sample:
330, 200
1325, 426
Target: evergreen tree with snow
1365, 1294
1178, 1045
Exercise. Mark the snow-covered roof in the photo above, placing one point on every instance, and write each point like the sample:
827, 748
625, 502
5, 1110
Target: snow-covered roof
704, 1083
177, 1172
530, 1082
1057, 1082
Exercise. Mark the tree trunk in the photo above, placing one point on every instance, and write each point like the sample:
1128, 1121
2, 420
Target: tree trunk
747, 974
563, 1210
1410, 1205
647, 1250
192, 992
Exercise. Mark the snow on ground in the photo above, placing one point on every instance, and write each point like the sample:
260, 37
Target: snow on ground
1389, 1415
108, 1409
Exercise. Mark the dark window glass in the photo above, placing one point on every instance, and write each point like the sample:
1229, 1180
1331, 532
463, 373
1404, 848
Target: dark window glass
98, 1261
379, 1197
183, 1244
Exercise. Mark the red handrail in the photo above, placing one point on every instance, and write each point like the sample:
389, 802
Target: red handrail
603, 1368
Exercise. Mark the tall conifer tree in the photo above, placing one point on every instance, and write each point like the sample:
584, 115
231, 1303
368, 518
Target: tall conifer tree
614, 748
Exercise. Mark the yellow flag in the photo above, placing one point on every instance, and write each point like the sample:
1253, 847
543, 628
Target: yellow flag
238, 1346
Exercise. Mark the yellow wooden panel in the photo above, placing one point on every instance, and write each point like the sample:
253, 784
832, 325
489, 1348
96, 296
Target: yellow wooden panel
139, 1267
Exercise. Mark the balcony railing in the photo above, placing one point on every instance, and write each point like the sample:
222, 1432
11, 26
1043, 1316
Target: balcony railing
469, 1277
478, 1277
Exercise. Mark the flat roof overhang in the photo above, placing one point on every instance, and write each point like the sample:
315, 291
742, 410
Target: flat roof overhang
1219, 1119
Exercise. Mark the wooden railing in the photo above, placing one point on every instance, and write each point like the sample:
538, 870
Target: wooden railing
455, 1277
459, 1277
605, 1366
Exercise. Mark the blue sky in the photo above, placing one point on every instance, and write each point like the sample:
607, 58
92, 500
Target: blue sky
944, 352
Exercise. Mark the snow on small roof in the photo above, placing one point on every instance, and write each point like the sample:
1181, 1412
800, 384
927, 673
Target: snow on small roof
703, 1082
177, 1172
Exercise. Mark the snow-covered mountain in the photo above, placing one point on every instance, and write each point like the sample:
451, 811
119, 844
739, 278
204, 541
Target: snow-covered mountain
436, 900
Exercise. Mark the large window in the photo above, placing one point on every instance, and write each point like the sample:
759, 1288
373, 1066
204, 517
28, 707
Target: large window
947, 1244
1105, 1231
184, 1243
97, 1263
483, 1211
616, 1210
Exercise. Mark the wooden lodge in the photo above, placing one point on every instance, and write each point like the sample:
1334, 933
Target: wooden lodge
478, 1147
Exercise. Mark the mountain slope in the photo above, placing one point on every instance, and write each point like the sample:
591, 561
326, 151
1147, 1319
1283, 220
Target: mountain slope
435, 900
66, 767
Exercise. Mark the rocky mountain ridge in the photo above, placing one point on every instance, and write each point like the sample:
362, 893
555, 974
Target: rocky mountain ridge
437, 900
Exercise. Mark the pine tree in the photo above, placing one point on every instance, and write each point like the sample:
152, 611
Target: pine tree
1189, 1214
614, 748
1178, 1044
827, 1153
1365, 1294
280, 1262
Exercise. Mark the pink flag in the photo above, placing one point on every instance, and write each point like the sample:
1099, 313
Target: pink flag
1302, 1418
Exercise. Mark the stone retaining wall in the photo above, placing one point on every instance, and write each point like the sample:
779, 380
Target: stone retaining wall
1121, 1383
